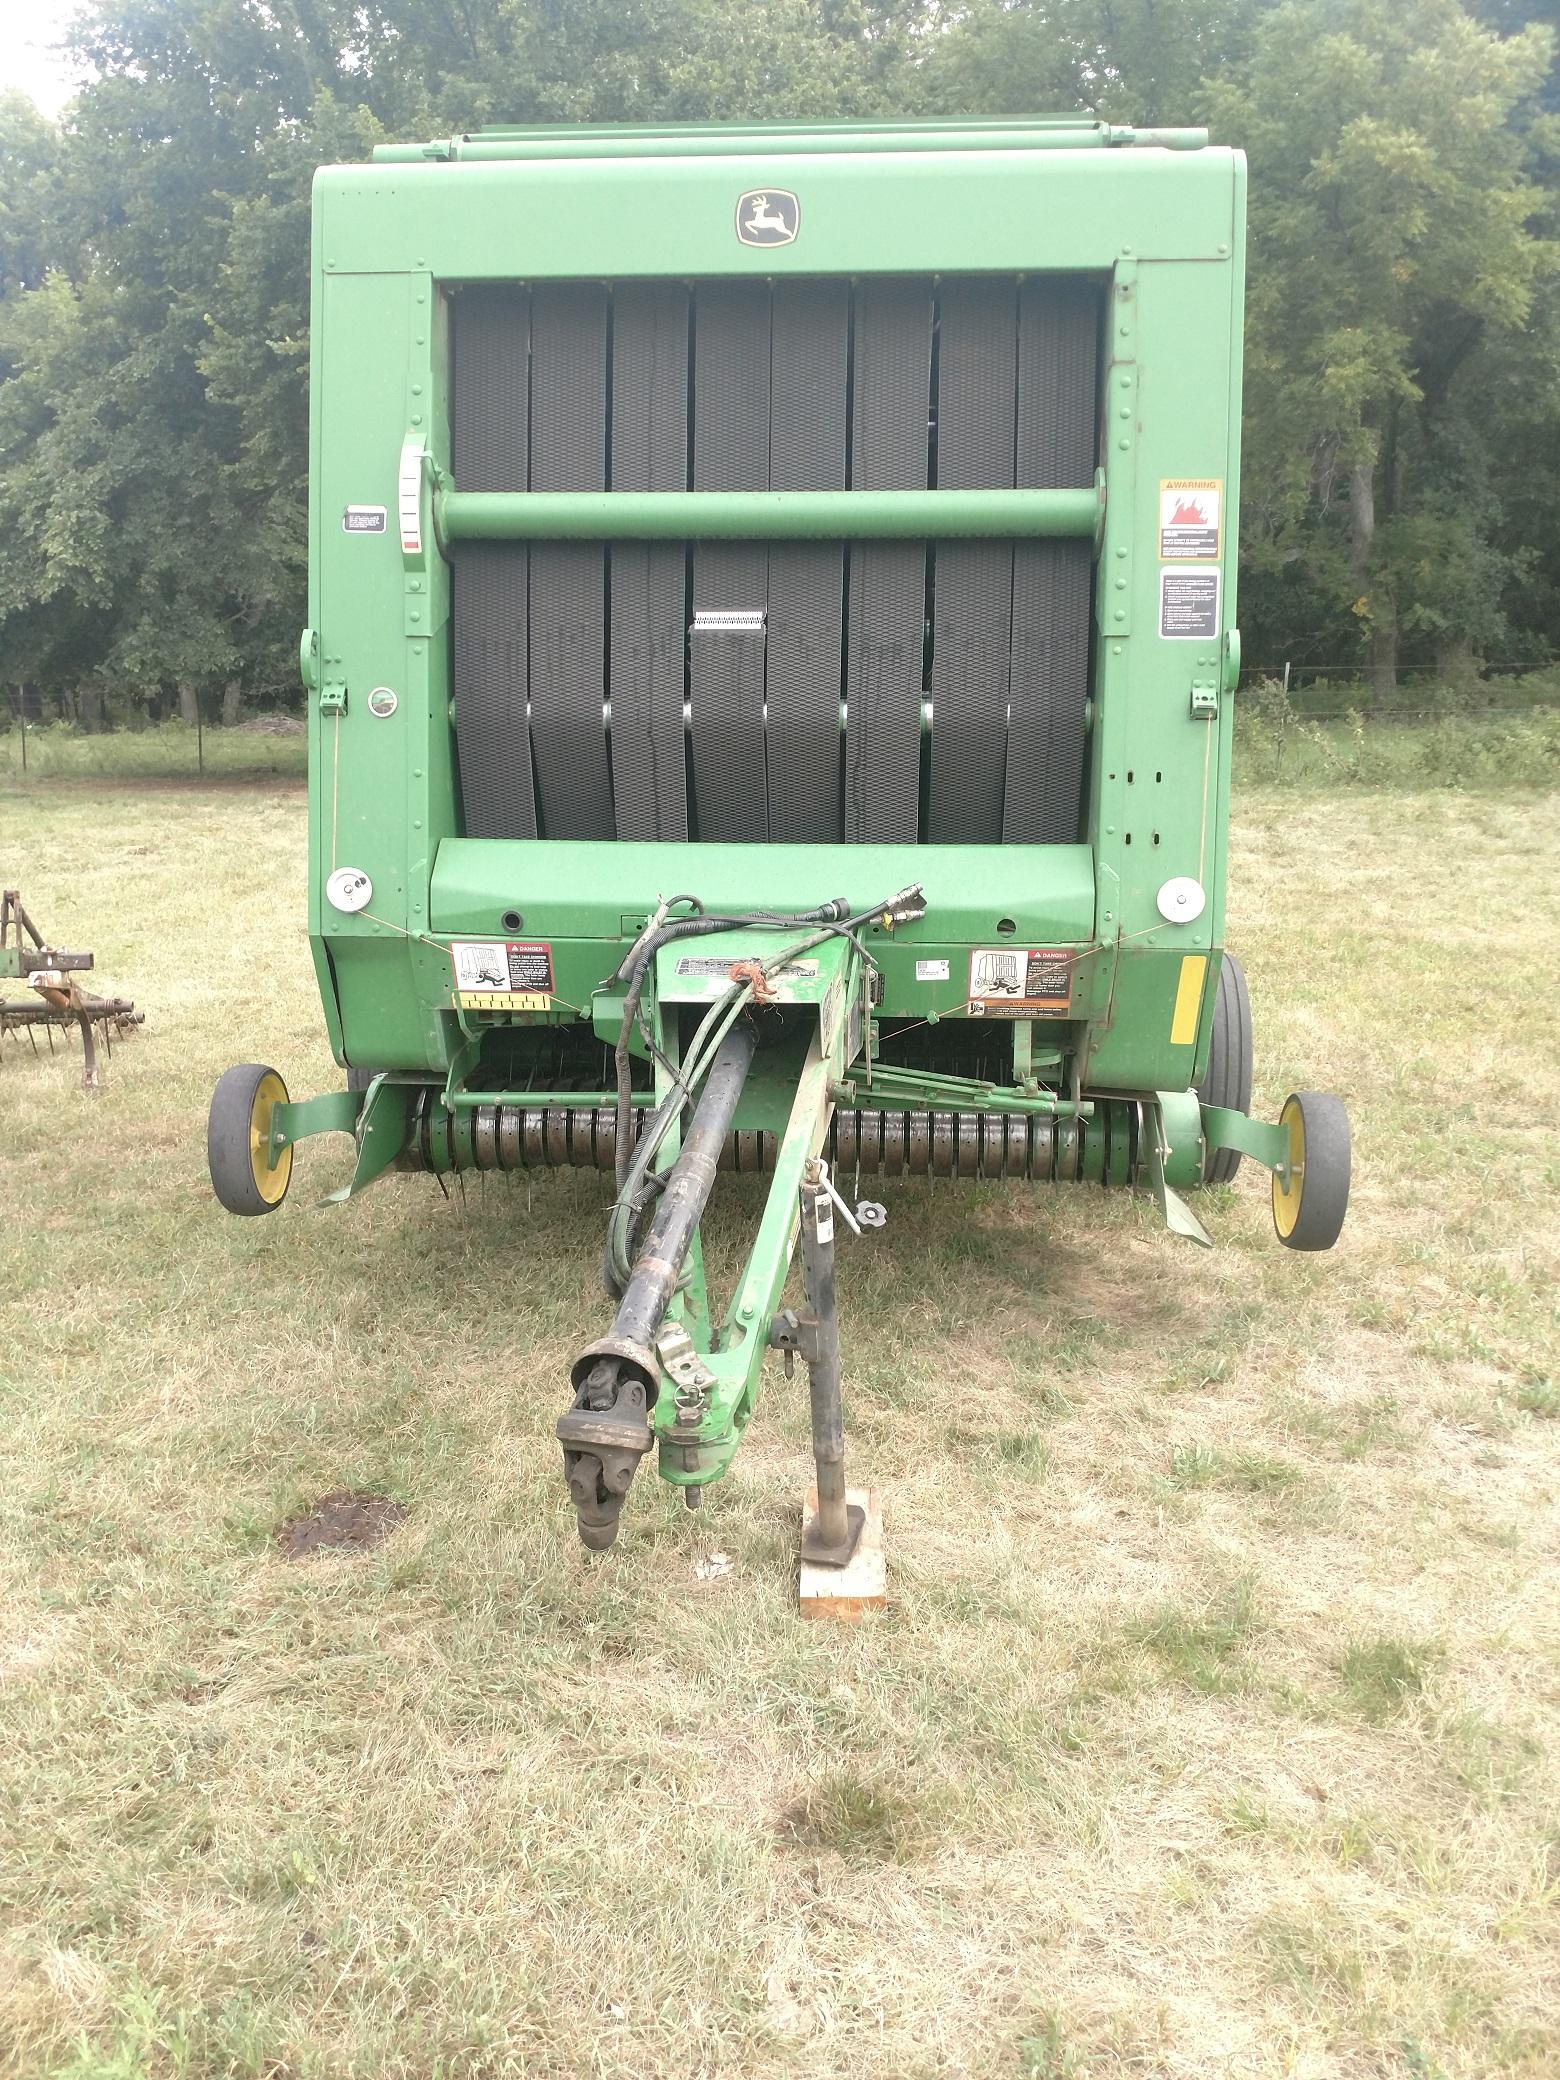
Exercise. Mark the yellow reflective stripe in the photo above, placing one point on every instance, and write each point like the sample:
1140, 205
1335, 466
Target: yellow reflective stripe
1188, 1000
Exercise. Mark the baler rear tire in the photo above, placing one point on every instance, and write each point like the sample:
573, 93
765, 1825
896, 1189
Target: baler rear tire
237, 1132
1227, 1080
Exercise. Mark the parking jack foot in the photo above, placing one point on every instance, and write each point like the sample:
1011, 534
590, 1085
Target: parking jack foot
846, 1593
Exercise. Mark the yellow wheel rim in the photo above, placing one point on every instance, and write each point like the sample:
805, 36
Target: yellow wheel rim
1286, 1197
271, 1179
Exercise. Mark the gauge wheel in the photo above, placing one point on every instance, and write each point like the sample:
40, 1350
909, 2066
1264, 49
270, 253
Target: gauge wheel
1309, 1206
1227, 1080
238, 1140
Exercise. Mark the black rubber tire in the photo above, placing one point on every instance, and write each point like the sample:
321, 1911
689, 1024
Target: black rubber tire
1324, 1182
1227, 1080
228, 1153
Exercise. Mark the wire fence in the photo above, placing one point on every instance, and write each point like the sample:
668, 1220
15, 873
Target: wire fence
1342, 693
1276, 701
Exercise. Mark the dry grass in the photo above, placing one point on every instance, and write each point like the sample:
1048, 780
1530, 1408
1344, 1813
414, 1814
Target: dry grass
1212, 1730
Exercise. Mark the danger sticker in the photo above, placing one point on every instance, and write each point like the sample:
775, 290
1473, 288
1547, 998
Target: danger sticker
1190, 519
1019, 982
502, 974
1188, 605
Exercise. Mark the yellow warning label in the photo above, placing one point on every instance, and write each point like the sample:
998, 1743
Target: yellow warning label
1188, 1000
503, 1000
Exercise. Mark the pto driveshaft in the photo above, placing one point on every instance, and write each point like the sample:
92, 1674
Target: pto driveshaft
606, 1432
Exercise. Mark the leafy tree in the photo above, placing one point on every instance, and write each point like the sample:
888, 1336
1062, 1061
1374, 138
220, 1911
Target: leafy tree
1130, 61
1394, 234
1404, 366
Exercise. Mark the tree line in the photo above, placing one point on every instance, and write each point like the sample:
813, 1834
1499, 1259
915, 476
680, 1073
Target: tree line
1402, 435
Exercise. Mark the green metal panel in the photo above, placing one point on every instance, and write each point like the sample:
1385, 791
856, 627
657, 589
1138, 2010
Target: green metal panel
583, 888
886, 212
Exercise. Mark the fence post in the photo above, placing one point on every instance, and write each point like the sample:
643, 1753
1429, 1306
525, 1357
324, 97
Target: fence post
200, 737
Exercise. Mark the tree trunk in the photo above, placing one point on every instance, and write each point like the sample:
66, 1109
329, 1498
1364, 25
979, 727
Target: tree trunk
1457, 659
1383, 657
232, 695
1380, 608
189, 713
89, 708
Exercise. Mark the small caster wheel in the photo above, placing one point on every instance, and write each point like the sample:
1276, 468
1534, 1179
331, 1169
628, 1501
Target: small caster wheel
238, 1140
1308, 1210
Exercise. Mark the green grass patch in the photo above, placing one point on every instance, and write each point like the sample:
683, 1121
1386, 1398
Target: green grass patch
1198, 1645
1383, 1677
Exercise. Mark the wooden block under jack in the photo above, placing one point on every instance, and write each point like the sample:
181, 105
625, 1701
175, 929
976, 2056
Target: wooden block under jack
861, 1585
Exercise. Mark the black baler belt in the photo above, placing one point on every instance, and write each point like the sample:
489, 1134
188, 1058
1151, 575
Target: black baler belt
1051, 585
1057, 443
568, 580
488, 610
649, 758
884, 672
649, 582
726, 665
726, 694
490, 388
969, 692
809, 361
489, 433
974, 580
884, 647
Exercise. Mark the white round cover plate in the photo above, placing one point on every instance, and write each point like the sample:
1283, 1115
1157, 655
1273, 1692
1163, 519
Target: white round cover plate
1181, 900
349, 889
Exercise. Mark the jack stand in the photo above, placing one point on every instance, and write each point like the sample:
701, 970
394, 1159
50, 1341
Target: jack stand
842, 1569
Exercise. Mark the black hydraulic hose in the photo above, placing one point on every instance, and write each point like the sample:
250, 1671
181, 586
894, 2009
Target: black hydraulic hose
689, 1183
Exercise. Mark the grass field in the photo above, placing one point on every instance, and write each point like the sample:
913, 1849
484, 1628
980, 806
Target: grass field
1213, 1727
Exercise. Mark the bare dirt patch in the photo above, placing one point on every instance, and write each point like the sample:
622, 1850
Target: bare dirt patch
343, 1522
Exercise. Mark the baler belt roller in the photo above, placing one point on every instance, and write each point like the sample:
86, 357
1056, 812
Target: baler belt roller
1010, 1147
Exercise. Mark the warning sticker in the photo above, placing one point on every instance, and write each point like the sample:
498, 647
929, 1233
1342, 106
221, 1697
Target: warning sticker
1189, 605
709, 964
931, 971
1018, 982
502, 975
1190, 517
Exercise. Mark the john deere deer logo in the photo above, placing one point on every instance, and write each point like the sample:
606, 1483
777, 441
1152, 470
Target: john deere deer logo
768, 217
